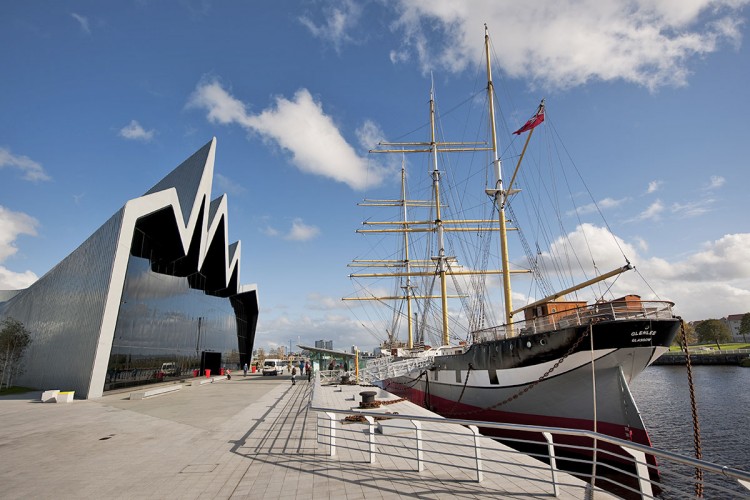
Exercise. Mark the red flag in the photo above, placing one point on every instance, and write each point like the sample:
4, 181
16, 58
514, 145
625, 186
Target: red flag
533, 121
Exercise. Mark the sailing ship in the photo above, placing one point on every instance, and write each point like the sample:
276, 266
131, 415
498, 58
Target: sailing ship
567, 362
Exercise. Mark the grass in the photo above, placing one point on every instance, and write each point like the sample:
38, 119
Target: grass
9, 391
712, 346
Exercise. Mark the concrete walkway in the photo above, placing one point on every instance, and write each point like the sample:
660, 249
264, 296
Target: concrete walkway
251, 437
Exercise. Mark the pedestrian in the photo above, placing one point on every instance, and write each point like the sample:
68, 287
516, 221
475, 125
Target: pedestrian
307, 368
294, 375
244, 369
309, 373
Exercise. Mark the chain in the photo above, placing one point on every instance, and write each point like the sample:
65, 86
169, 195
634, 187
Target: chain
528, 387
694, 406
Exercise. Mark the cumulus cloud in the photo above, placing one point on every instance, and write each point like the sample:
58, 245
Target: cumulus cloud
134, 131
338, 18
711, 282
12, 225
565, 43
32, 171
298, 126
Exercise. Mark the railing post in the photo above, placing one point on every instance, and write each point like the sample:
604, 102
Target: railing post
332, 433
477, 452
420, 453
642, 470
552, 461
371, 437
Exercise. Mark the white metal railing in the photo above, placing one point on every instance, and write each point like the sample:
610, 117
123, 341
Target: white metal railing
386, 367
580, 316
676, 471
708, 352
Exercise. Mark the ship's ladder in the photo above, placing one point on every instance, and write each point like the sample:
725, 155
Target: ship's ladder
383, 368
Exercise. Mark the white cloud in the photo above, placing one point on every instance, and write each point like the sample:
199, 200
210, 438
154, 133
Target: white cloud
603, 204
693, 208
603, 247
306, 329
83, 22
12, 225
32, 171
227, 185
136, 132
654, 186
324, 302
269, 231
565, 43
652, 212
340, 17
716, 182
299, 126
301, 231
709, 283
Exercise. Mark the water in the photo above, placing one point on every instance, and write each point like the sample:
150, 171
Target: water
723, 399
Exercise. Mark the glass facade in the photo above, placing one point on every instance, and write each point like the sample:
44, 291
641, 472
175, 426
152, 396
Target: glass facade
166, 330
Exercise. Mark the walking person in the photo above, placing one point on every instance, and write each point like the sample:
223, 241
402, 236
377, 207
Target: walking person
244, 369
294, 375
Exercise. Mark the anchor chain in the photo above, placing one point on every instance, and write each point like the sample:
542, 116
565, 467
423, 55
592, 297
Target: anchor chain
528, 387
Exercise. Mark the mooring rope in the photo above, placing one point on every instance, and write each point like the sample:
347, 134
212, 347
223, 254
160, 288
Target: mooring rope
694, 406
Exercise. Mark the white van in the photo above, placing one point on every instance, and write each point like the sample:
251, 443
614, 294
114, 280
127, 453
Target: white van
273, 367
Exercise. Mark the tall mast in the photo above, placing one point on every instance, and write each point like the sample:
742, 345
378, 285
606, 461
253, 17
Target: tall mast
498, 193
407, 266
441, 261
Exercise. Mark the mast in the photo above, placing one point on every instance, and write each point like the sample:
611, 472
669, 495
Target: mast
499, 194
407, 266
441, 261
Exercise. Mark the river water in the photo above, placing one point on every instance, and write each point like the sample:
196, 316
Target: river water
723, 398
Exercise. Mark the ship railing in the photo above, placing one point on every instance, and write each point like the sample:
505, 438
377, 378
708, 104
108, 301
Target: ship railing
421, 442
382, 368
592, 313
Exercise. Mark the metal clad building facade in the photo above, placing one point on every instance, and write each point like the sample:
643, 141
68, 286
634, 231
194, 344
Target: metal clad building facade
152, 294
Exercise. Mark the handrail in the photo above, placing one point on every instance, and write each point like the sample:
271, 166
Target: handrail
590, 313
736, 474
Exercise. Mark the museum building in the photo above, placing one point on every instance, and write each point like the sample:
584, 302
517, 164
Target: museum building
152, 295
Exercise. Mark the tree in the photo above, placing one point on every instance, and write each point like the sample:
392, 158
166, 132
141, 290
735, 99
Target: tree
14, 339
745, 326
689, 334
713, 330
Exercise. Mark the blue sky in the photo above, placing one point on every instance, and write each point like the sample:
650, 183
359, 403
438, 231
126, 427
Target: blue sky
100, 100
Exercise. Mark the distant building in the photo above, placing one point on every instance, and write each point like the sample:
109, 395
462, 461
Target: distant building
324, 344
154, 293
734, 321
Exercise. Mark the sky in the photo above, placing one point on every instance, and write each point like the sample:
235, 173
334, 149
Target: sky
100, 100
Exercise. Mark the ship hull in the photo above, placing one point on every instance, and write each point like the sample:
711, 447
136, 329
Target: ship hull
559, 379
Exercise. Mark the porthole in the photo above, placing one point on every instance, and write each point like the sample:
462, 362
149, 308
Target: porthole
543, 342
528, 344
